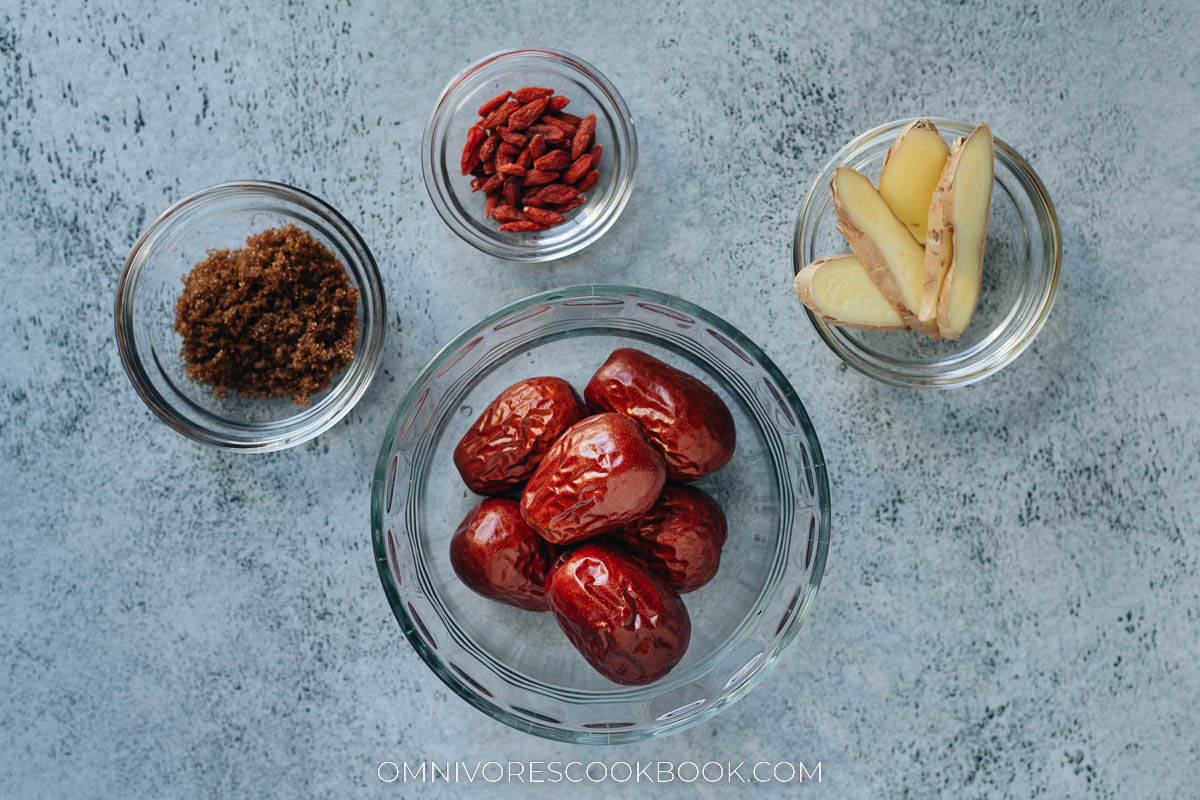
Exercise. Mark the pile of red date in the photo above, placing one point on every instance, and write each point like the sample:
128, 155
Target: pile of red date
599, 537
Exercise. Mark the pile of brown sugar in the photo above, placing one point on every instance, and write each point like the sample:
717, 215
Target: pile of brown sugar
277, 318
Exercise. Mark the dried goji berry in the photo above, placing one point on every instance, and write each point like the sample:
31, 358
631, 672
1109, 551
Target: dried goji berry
552, 134
553, 161
527, 94
578, 169
527, 115
563, 208
544, 215
506, 154
583, 137
497, 117
537, 146
522, 226
596, 151
556, 193
493, 104
477, 184
493, 183
571, 118
557, 103
538, 176
489, 167
512, 191
470, 153
511, 170
506, 213
512, 137
525, 160
567, 128
488, 149
589, 181
492, 201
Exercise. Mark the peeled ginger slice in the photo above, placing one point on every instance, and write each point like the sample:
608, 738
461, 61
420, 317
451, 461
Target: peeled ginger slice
966, 212
910, 173
838, 290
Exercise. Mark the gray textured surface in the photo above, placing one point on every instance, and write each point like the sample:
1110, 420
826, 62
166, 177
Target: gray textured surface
1011, 605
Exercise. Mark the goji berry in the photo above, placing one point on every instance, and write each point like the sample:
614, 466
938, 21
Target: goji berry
539, 176
571, 118
501, 114
553, 161
527, 115
522, 226
511, 170
537, 146
506, 213
589, 181
583, 137
578, 169
527, 94
567, 128
470, 153
493, 104
512, 191
492, 201
563, 208
557, 103
488, 149
512, 137
544, 215
556, 193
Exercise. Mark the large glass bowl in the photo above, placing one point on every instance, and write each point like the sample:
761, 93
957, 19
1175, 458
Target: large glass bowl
456, 110
1020, 272
219, 217
516, 665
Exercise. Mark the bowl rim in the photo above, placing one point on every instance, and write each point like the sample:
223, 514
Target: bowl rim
821, 500
256, 437
1043, 207
625, 168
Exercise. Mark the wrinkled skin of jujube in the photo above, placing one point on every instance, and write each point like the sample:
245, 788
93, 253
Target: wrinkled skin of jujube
686, 419
500, 557
505, 444
602, 473
679, 538
628, 623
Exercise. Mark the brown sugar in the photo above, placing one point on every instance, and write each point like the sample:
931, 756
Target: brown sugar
277, 318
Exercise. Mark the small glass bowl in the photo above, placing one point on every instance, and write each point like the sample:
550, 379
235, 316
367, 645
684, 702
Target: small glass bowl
517, 666
457, 110
1020, 276
223, 216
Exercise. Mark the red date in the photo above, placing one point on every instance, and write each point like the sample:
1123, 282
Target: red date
679, 538
630, 626
506, 443
685, 418
602, 473
500, 557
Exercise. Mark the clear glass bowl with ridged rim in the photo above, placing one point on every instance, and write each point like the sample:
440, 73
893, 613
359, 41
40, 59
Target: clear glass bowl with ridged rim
517, 666
222, 216
1021, 266
457, 109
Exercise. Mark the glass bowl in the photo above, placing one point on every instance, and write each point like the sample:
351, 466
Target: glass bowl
223, 216
516, 665
1020, 275
457, 110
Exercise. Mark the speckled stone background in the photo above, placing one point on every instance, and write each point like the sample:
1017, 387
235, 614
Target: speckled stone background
1011, 607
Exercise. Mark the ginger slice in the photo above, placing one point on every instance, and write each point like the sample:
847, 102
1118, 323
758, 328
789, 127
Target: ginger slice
939, 244
838, 290
891, 256
911, 170
970, 174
